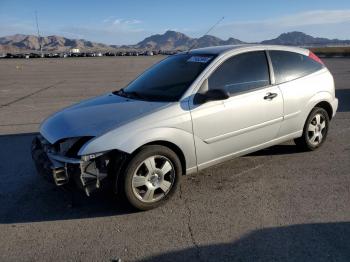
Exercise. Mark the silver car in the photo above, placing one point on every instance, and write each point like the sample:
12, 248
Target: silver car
186, 113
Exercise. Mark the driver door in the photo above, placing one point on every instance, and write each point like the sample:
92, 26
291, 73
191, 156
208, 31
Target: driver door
250, 117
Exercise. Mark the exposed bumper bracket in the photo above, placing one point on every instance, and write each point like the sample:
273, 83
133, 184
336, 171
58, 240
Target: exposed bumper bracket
60, 176
59, 169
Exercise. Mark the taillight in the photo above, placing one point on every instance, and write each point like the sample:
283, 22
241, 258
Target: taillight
315, 58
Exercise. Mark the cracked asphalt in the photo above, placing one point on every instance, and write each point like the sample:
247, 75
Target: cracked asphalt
277, 204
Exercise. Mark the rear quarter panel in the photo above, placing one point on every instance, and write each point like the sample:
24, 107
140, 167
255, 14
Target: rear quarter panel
301, 95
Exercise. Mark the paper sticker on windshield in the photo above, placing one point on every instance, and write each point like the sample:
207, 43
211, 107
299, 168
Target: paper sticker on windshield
199, 59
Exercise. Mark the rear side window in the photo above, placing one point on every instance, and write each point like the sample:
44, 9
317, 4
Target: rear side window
241, 73
288, 66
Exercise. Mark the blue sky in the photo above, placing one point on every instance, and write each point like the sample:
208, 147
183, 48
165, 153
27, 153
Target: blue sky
128, 22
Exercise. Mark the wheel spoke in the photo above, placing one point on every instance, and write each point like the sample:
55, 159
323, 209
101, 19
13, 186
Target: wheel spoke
149, 195
138, 181
313, 138
318, 119
166, 167
320, 137
323, 125
150, 164
165, 185
312, 128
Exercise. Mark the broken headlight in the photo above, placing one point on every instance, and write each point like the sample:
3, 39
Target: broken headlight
70, 146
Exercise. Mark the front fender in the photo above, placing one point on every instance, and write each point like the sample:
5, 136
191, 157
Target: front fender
128, 141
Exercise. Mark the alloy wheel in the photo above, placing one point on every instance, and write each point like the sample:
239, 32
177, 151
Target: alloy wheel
153, 179
316, 129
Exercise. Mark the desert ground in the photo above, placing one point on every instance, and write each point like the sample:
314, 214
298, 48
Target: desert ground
277, 204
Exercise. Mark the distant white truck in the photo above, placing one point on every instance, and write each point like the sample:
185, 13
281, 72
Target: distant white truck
75, 50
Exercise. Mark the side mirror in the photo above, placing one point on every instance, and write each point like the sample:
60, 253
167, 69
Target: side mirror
211, 95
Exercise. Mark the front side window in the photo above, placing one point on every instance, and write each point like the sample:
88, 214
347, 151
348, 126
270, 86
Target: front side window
288, 66
241, 73
169, 79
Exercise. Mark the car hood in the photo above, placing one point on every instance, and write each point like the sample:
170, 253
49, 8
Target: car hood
96, 116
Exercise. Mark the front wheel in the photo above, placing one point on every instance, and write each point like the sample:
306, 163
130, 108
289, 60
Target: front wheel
151, 177
315, 130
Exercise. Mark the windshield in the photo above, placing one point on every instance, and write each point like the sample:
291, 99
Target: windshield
169, 79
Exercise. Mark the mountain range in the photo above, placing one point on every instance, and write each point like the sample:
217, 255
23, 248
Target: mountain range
301, 39
175, 40
170, 40
19, 42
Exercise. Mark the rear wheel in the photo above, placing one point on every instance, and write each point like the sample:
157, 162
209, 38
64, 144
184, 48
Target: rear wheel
151, 177
315, 130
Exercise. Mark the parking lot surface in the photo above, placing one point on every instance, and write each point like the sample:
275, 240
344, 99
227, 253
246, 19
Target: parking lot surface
277, 204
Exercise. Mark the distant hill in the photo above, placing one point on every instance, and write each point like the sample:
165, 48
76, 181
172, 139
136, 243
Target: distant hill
175, 40
170, 40
302, 39
20, 42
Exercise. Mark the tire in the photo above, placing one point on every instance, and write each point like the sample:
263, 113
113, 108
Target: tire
151, 177
315, 130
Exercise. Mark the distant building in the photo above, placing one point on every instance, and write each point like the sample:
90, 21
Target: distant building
75, 50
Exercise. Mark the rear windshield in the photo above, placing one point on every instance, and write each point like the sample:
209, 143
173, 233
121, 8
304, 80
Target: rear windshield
169, 79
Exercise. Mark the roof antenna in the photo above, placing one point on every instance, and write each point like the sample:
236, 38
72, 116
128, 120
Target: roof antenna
39, 37
211, 28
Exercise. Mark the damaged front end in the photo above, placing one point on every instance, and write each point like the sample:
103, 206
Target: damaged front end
61, 164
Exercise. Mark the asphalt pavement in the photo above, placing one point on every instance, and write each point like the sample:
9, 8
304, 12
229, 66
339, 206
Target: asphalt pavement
277, 204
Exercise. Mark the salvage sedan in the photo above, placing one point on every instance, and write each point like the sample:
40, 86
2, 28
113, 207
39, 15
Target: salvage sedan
186, 113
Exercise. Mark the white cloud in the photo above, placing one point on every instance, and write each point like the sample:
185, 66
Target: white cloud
108, 19
111, 30
126, 22
318, 17
327, 23
111, 34
120, 21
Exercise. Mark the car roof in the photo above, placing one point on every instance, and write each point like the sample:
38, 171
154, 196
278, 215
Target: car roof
218, 50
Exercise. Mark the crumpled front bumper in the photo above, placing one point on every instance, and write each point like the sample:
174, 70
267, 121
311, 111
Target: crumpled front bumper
61, 169
54, 168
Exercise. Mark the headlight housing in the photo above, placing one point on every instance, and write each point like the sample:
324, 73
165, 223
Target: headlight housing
92, 156
70, 146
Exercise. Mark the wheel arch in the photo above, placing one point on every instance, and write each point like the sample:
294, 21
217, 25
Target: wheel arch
176, 149
326, 106
321, 99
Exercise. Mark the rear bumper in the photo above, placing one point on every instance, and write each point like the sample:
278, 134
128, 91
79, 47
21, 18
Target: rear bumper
334, 105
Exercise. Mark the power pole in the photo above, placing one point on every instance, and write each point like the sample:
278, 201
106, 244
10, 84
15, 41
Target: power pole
39, 37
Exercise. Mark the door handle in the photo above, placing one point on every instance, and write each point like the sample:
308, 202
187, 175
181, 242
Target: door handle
270, 96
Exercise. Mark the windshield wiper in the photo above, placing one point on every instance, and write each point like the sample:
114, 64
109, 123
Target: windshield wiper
120, 92
132, 94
